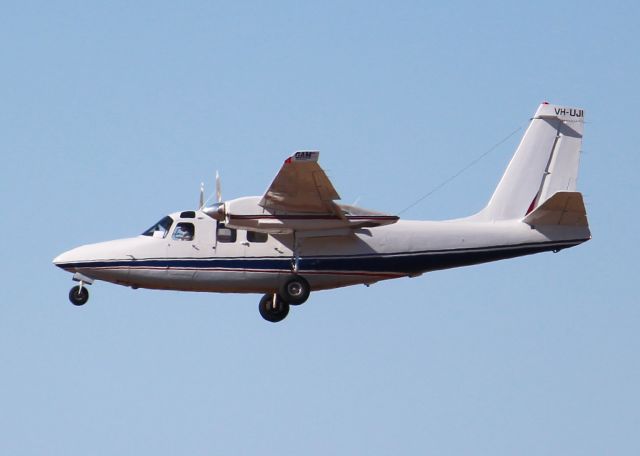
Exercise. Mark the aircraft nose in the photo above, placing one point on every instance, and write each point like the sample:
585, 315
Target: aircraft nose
80, 257
63, 258
71, 258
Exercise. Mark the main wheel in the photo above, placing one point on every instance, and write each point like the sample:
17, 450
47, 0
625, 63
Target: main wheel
273, 311
295, 290
78, 296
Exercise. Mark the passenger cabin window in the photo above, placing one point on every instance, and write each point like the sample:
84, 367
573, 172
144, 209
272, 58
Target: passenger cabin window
255, 236
184, 232
225, 234
160, 229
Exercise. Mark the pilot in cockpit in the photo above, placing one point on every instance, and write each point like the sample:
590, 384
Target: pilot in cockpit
183, 232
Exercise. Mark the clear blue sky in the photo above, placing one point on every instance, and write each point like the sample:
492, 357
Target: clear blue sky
112, 114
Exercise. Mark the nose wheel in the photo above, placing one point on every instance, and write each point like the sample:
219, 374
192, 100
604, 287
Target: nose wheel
78, 295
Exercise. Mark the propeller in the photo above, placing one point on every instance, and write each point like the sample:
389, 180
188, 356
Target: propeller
216, 211
218, 192
218, 187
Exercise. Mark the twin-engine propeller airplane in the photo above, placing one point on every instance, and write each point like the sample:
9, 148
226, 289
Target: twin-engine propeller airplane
296, 239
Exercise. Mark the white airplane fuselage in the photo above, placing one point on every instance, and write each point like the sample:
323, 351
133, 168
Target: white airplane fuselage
368, 255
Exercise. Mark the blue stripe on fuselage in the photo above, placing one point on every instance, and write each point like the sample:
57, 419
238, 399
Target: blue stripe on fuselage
398, 263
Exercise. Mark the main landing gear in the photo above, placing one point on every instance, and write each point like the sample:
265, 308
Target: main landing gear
295, 290
274, 307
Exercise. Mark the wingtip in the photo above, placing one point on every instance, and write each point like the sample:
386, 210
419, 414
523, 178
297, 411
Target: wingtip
304, 156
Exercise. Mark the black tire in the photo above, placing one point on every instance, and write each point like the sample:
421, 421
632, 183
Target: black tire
78, 296
271, 312
295, 290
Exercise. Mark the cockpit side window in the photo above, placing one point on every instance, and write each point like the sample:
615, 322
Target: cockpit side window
160, 229
255, 236
184, 232
225, 234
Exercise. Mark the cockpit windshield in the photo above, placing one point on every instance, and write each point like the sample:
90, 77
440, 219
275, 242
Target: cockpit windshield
160, 229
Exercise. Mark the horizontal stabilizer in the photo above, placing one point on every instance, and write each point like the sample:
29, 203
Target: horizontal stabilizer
563, 208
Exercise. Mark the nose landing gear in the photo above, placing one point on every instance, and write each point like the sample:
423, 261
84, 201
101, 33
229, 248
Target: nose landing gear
79, 295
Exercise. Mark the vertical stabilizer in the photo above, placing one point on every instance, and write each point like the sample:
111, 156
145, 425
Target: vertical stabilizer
545, 162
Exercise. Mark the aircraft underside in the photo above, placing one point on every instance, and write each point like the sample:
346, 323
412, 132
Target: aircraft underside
266, 274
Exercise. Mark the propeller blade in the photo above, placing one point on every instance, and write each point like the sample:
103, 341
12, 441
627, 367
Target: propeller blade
218, 188
201, 195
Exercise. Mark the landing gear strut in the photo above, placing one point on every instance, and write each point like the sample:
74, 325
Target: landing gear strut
273, 308
79, 295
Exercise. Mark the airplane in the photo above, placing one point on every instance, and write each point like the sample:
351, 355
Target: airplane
296, 238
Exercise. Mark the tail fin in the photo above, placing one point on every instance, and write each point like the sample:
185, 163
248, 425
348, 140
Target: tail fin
545, 162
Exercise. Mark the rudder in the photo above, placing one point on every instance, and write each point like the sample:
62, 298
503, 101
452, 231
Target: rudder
545, 162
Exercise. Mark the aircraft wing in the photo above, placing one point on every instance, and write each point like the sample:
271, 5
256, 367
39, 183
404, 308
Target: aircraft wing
300, 199
301, 186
